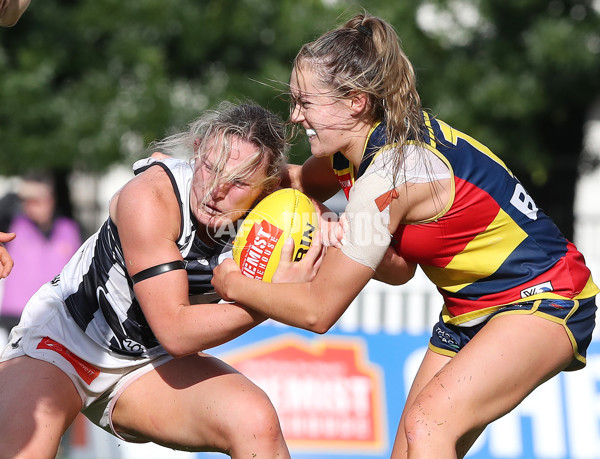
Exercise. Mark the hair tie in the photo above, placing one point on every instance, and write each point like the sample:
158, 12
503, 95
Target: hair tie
364, 30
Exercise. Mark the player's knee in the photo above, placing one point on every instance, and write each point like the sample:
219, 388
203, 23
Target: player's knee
413, 425
258, 420
420, 426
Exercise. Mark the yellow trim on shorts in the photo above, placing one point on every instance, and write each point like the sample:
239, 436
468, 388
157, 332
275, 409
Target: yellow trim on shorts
468, 316
534, 311
439, 350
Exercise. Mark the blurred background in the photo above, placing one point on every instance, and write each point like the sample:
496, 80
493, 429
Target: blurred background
86, 85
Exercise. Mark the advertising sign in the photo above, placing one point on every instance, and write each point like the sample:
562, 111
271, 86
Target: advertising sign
327, 393
340, 395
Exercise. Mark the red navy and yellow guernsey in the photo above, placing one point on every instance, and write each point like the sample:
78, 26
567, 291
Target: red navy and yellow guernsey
491, 246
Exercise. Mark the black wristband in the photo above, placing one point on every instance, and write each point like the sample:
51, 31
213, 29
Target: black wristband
158, 269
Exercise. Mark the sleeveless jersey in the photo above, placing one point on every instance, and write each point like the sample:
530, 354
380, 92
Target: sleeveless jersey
98, 292
491, 246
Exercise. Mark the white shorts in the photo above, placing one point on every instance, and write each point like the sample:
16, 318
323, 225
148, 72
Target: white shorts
47, 332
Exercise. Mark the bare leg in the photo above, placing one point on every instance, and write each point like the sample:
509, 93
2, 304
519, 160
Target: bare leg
432, 363
503, 363
199, 403
38, 402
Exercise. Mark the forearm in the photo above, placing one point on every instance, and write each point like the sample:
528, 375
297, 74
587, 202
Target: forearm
314, 306
266, 299
199, 327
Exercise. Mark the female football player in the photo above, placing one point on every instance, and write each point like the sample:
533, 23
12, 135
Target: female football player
117, 336
519, 301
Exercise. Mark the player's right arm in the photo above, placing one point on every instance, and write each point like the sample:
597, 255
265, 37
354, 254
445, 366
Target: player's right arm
147, 216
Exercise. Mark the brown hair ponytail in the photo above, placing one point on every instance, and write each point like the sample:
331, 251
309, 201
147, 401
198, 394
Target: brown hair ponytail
364, 55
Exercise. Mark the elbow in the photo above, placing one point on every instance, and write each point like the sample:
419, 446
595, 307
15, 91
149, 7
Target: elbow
321, 330
319, 325
176, 347
396, 276
176, 351
320, 319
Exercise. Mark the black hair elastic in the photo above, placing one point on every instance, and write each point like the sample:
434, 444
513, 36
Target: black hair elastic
157, 270
364, 30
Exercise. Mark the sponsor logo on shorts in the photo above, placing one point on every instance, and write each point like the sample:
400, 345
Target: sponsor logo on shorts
535, 289
446, 338
86, 371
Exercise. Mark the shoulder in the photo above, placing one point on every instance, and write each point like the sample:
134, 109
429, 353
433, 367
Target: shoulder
149, 194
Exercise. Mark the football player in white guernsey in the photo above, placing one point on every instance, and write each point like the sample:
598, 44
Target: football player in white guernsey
115, 334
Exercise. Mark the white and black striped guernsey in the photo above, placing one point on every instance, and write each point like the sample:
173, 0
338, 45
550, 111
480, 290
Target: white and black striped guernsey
98, 292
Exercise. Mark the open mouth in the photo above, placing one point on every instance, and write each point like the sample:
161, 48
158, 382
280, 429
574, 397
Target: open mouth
311, 132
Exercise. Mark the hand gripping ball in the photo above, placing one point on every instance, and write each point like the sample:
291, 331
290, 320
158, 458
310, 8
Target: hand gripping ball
258, 242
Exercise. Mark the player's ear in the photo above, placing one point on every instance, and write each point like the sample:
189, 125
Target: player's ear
358, 102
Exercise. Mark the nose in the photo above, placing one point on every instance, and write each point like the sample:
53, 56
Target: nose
220, 190
296, 116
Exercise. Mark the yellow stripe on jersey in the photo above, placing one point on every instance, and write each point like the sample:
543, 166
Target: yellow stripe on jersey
481, 257
452, 135
430, 130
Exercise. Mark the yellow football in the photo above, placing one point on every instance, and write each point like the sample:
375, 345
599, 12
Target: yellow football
258, 242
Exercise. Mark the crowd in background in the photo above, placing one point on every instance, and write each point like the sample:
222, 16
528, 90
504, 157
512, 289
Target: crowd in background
45, 241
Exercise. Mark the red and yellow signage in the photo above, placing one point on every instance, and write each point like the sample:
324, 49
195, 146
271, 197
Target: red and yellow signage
326, 392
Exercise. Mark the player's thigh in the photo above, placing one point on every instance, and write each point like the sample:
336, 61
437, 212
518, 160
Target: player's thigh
506, 360
191, 401
37, 404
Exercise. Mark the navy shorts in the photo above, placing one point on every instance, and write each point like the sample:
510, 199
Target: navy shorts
576, 316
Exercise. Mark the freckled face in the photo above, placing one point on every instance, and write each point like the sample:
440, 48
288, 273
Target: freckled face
327, 120
229, 200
